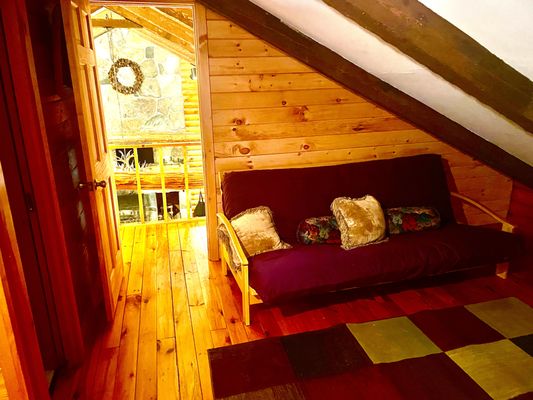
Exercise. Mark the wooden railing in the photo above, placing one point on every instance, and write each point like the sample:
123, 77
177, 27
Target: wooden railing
181, 172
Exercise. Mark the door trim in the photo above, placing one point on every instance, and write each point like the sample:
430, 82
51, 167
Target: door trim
21, 364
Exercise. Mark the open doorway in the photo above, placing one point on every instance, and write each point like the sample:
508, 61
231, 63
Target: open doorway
147, 69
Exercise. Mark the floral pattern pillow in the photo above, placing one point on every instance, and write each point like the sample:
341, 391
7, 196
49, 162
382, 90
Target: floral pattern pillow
319, 230
411, 219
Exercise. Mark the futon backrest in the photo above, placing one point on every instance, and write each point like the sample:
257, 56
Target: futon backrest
298, 193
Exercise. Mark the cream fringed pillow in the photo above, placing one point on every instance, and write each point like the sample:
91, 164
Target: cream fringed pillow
256, 231
361, 221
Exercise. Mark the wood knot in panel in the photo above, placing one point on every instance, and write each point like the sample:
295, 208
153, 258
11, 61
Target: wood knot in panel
358, 127
244, 150
301, 113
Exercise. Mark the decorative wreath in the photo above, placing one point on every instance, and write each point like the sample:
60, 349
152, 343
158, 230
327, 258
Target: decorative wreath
119, 87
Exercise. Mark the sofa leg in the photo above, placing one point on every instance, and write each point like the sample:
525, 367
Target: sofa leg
246, 307
224, 266
223, 263
502, 269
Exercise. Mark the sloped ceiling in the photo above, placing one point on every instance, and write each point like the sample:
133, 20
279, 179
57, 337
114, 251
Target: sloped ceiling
504, 28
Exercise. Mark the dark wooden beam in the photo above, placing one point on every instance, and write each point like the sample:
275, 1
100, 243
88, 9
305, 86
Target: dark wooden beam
264, 25
434, 42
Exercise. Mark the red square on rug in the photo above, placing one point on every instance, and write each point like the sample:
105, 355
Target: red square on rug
324, 352
249, 367
525, 343
368, 383
434, 377
455, 327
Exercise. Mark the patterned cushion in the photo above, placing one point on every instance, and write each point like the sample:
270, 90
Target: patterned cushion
361, 221
319, 230
411, 219
256, 231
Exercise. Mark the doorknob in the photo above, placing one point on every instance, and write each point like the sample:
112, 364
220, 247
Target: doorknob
101, 184
92, 185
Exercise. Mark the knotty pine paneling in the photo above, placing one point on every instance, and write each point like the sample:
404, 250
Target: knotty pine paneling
241, 48
289, 98
255, 65
223, 29
269, 82
271, 111
257, 116
228, 133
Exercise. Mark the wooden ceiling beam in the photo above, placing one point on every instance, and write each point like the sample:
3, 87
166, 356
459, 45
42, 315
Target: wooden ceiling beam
113, 23
95, 8
431, 40
166, 22
179, 15
269, 28
167, 45
143, 16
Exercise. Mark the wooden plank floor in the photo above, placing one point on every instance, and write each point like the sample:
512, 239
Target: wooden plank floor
175, 305
3, 391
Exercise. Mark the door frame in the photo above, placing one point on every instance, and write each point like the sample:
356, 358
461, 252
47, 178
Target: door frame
29, 115
204, 98
21, 364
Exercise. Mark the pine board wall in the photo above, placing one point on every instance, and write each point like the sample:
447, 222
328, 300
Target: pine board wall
271, 111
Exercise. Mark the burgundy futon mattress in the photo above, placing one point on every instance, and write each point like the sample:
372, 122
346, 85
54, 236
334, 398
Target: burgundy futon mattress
305, 269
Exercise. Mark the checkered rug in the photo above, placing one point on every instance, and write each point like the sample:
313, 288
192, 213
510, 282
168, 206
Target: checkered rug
479, 351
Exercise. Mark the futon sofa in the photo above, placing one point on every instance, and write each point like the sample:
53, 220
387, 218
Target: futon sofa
299, 193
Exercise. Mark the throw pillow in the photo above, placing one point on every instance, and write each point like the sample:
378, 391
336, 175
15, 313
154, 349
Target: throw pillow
255, 229
223, 236
361, 221
411, 219
319, 230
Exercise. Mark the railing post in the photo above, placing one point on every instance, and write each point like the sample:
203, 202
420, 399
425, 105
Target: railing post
186, 173
138, 177
163, 187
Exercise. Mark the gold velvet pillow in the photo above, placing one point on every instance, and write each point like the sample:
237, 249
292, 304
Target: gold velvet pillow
361, 221
256, 231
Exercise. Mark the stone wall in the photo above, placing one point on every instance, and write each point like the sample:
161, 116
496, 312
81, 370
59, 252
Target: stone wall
158, 106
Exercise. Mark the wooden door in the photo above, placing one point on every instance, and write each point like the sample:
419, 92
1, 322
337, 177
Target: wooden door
96, 153
27, 228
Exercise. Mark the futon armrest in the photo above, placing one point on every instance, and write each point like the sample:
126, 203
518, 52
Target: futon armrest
506, 226
234, 241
